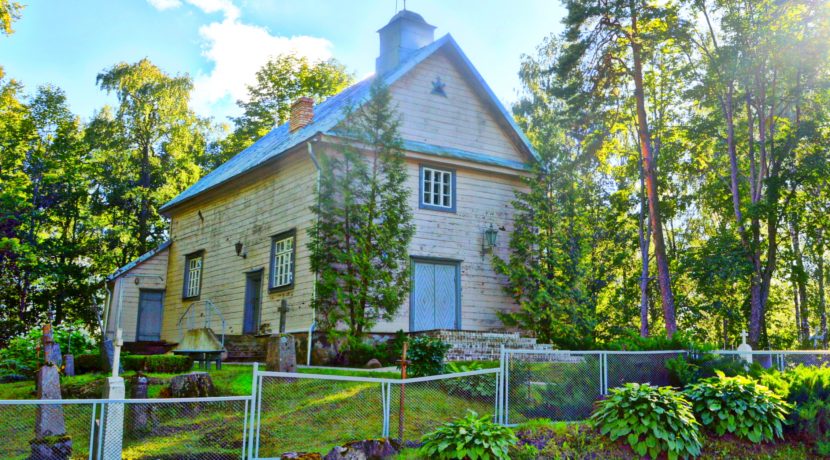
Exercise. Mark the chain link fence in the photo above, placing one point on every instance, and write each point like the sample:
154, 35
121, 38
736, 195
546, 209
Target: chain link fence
563, 385
314, 413
203, 428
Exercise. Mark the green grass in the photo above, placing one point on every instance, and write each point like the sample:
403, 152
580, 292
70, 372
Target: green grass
298, 415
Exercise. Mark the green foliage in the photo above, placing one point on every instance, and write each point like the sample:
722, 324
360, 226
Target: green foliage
631, 341
551, 401
806, 388
280, 82
359, 242
22, 355
548, 270
471, 437
168, 364
652, 420
684, 371
88, 363
740, 406
481, 387
426, 356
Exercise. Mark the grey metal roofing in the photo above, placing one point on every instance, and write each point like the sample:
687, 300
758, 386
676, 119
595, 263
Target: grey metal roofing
330, 112
139, 260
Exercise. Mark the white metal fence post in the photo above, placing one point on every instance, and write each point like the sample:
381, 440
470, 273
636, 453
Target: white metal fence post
254, 409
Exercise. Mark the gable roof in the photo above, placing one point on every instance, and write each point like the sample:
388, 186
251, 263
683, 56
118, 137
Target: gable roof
139, 260
329, 113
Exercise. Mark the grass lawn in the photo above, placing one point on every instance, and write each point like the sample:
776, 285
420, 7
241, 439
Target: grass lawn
298, 414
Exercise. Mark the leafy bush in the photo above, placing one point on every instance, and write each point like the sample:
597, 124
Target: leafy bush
569, 397
426, 356
470, 437
473, 386
740, 406
651, 419
21, 356
390, 351
808, 389
685, 371
358, 352
168, 364
632, 341
88, 363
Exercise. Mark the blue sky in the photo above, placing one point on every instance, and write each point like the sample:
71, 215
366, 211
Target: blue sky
221, 43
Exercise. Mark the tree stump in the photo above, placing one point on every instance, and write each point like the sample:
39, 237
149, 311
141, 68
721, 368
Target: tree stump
192, 385
373, 449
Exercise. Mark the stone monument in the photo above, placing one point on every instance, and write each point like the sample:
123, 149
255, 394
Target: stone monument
281, 355
141, 413
745, 347
51, 441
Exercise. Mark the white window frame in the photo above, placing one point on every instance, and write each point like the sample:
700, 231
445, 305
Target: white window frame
194, 266
283, 248
437, 189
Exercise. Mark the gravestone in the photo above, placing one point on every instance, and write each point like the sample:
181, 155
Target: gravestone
141, 413
51, 350
51, 441
69, 365
745, 347
281, 354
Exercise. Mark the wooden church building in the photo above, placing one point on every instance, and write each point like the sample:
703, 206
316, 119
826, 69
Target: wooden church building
237, 252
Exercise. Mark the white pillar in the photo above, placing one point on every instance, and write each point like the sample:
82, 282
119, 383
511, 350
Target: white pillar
113, 429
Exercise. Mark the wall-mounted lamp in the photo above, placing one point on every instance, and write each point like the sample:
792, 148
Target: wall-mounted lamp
489, 243
239, 250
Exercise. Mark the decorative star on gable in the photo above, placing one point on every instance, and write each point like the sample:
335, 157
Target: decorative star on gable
438, 87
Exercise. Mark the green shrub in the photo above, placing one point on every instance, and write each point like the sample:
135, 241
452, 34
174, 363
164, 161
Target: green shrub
426, 356
685, 371
740, 406
20, 357
167, 364
390, 351
358, 352
474, 386
808, 390
570, 397
88, 363
651, 419
470, 437
632, 341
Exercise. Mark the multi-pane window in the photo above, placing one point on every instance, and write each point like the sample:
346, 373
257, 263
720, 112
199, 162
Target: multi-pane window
193, 275
437, 189
282, 260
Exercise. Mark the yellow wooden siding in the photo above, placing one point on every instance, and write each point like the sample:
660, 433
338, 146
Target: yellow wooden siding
461, 120
481, 199
250, 210
143, 276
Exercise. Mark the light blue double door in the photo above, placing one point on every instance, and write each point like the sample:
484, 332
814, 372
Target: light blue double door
435, 299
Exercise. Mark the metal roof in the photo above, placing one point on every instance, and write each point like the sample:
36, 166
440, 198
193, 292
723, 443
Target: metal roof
330, 112
139, 260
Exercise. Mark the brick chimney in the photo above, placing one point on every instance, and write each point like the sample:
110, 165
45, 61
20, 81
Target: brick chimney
302, 113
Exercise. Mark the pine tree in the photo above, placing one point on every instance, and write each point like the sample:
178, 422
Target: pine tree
359, 244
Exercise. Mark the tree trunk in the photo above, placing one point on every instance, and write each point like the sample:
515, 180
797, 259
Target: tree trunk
144, 209
663, 275
799, 276
822, 306
645, 238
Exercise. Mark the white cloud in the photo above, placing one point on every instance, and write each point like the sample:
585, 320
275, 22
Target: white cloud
237, 50
162, 5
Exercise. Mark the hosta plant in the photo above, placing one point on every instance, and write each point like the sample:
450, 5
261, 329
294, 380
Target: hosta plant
740, 406
651, 419
471, 437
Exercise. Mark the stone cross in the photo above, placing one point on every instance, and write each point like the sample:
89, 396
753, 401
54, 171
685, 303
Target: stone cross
746, 348
283, 313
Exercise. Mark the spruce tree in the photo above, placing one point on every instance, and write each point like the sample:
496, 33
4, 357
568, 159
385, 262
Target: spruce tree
364, 223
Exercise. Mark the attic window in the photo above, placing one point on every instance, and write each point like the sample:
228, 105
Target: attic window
438, 87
